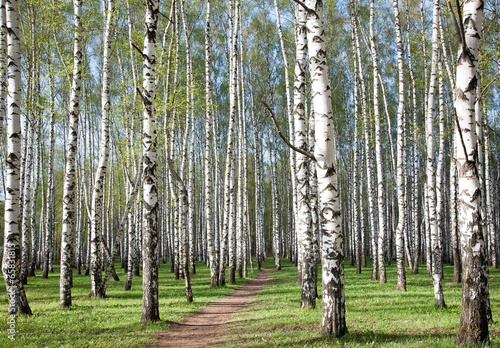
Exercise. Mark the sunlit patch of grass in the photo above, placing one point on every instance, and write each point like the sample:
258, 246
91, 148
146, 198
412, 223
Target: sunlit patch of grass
110, 322
377, 315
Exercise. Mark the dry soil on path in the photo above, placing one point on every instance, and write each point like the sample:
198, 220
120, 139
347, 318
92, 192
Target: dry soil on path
210, 324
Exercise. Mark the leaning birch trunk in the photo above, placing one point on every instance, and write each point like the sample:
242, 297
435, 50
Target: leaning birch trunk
100, 175
68, 214
11, 263
150, 309
435, 244
401, 284
455, 243
290, 118
473, 327
332, 253
440, 168
49, 207
382, 228
355, 194
488, 186
228, 187
368, 155
209, 187
303, 223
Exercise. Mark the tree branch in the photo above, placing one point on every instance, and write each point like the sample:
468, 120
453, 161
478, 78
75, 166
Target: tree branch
460, 133
486, 87
138, 49
310, 11
455, 23
303, 152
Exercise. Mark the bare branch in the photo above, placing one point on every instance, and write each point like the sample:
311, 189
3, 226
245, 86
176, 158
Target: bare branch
486, 87
309, 10
455, 23
461, 136
305, 153
138, 49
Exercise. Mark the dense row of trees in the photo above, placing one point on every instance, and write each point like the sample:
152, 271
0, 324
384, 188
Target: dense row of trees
388, 149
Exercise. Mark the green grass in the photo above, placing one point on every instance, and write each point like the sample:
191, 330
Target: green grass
376, 315
110, 322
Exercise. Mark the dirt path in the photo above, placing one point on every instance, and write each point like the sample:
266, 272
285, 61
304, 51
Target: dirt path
209, 324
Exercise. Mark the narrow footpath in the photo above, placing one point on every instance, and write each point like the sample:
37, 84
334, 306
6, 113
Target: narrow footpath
210, 324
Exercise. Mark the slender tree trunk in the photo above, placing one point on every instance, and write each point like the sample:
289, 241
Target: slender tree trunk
473, 327
100, 176
227, 228
382, 226
333, 315
305, 233
431, 166
401, 284
11, 263
68, 218
209, 196
150, 305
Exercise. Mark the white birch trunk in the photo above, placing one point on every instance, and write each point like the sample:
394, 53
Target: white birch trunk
11, 263
473, 327
150, 305
209, 187
332, 254
382, 227
303, 222
227, 228
401, 284
68, 215
431, 165
100, 176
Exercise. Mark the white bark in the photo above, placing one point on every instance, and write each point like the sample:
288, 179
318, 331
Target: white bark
209, 187
431, 165
150, 305
11, 263
401, 284
382, 227
473, 327
68, 214
100, 175
332, 254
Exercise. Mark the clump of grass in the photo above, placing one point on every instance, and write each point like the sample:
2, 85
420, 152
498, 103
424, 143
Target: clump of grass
377, 315
110, 322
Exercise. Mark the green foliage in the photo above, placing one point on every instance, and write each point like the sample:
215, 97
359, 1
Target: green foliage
110, 322
377, 315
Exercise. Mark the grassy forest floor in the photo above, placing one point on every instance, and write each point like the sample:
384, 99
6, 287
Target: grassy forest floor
377, 315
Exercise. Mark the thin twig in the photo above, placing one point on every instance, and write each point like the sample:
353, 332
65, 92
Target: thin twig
305, 153
138, 49
460, 133
486, 87
460, 21
455, 23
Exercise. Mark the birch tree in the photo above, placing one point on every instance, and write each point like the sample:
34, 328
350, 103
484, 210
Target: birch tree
68, 218
473, 327
209, 187
401, 284
11, 262
332, 254
435, 244
150, 305
100, 175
